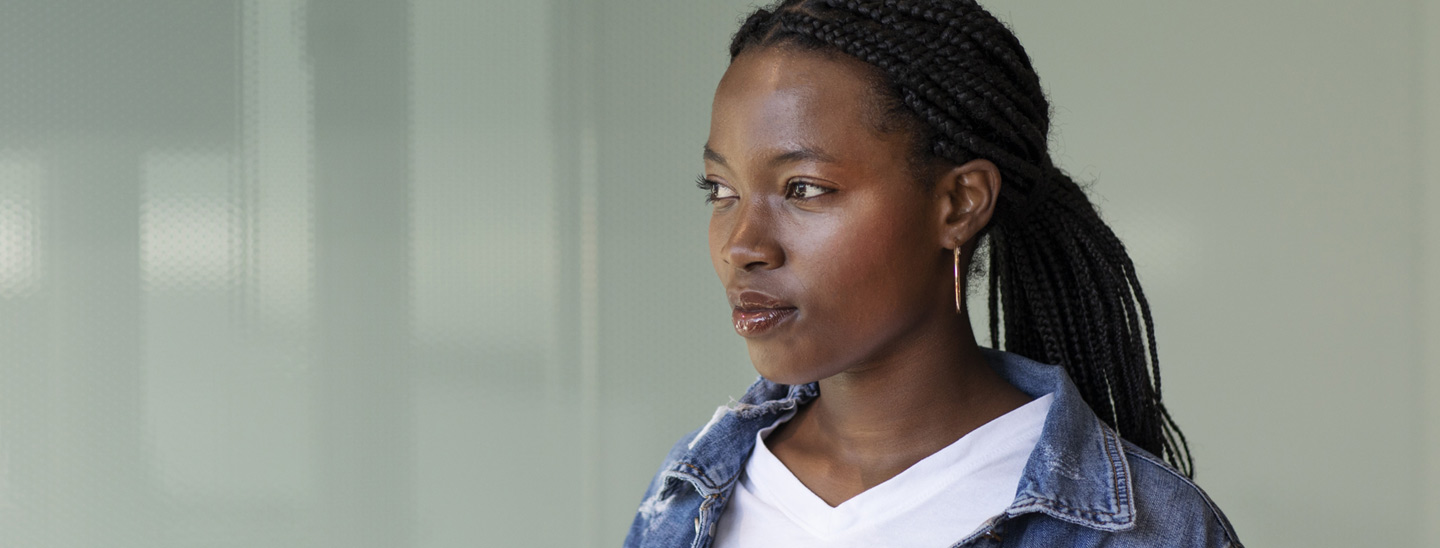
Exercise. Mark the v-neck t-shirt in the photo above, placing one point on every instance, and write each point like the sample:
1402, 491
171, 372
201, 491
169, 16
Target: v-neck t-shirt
936, 502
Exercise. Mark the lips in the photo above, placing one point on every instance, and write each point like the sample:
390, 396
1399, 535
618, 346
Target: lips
756, 313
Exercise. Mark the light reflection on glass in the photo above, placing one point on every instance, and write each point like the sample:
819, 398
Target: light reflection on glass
187, 226
21, 177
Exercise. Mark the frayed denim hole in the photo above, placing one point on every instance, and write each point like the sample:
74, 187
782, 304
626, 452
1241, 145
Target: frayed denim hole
750, 412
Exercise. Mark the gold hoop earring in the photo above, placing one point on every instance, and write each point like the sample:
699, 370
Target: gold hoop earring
957, 278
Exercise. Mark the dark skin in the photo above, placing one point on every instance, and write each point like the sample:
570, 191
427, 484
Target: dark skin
817, 210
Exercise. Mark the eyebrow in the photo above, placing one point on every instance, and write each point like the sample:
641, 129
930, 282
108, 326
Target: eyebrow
790, 156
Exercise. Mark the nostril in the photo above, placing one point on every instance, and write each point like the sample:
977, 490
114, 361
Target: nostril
750, 245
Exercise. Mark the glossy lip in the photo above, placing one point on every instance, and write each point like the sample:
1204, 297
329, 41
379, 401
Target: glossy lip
755, 313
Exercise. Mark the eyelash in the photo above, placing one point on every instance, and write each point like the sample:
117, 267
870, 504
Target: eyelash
711, 187
790, 190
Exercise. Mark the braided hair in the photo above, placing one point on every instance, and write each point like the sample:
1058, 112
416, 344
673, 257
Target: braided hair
1062, 288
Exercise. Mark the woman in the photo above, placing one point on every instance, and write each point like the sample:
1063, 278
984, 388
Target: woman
861, 155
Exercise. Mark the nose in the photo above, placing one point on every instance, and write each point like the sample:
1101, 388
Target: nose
751, 244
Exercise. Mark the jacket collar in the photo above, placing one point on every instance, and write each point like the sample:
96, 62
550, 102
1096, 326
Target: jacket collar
717, 454
1077, 473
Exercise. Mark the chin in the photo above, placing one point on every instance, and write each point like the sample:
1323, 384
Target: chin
785, 367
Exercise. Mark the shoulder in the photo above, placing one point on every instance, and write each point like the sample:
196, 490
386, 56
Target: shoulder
1171, 507
1166, 509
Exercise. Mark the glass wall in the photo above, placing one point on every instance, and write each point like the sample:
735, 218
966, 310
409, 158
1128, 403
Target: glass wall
433, 273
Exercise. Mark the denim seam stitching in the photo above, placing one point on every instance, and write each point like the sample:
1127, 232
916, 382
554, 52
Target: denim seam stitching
1117, 471
1056, 504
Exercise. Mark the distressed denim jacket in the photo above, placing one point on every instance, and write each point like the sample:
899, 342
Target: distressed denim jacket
1083, 484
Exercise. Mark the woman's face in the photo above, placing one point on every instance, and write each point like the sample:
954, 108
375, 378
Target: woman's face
831, 253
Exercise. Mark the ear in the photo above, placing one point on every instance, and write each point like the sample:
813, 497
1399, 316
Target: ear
966, 197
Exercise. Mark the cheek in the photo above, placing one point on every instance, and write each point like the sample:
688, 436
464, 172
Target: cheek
715, 236
872, 267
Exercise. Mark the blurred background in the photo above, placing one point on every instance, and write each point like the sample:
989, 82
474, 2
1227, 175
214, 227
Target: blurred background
433, 273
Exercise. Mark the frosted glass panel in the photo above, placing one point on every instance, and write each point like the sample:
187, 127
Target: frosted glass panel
430, 273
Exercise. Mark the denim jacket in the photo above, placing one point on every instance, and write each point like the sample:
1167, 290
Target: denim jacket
1083, 486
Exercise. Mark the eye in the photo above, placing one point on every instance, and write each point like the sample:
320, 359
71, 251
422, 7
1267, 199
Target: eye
714, 191
803, 190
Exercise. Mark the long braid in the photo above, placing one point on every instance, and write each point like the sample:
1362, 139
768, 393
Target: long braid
1063, 290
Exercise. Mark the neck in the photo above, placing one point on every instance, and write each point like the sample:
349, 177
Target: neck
873, 421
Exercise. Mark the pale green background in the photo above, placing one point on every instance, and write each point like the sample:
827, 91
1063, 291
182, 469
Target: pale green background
432, 273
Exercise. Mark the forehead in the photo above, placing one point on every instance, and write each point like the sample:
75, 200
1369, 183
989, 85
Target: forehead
777, 97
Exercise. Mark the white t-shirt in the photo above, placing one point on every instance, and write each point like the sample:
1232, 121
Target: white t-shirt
936, 502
